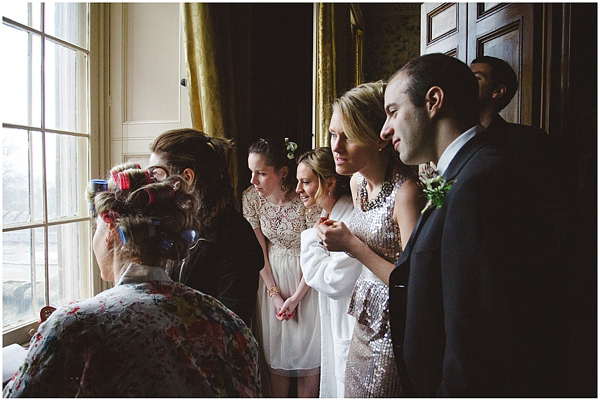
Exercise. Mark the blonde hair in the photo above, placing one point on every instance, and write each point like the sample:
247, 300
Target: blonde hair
320, 161
362, 112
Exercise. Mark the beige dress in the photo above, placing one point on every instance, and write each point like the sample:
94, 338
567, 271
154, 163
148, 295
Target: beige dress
371, 368
291, 347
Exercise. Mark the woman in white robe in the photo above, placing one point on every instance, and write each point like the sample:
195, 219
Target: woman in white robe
332, 275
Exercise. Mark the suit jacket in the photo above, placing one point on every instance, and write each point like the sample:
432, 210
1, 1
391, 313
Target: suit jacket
469, 307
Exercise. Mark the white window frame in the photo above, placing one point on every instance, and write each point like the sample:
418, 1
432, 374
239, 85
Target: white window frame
20, 333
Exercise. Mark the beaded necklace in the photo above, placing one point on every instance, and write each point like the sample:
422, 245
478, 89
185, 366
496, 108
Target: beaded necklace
386, 189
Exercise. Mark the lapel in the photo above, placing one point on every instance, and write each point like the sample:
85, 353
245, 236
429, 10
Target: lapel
456, 165
464, 154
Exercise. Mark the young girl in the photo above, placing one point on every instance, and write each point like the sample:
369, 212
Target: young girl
288, 308
333, 274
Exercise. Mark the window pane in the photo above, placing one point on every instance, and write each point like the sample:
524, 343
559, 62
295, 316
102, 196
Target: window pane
67, 169
23, 13
20, 251
67, 245
22, 78
20, 178
66, 88
60, 18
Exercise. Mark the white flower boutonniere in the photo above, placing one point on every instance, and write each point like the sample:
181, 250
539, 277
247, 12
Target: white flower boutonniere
290, 147
435, 187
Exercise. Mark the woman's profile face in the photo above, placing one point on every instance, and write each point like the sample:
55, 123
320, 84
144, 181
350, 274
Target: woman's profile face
350, 156
102, 250
308, 184
265, 178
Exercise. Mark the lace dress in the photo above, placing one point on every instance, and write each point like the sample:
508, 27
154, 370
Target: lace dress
371, 369
292, 347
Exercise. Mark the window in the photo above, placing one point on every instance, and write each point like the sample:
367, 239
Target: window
46, 161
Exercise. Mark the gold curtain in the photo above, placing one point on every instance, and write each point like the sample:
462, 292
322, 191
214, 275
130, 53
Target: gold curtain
210, 70
339, 59
326, 72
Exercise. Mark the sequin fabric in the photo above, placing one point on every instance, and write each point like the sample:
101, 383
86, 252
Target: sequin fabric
371, 369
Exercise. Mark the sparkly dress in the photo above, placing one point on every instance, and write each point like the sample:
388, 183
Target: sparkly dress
371, 369
292, 347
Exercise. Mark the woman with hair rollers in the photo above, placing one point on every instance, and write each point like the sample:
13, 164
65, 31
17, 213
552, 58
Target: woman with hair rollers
147, 336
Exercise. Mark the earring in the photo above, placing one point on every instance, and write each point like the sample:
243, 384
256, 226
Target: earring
283, 187
329, 193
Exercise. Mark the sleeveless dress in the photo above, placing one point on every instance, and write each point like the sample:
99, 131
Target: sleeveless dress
371, 368
291, 347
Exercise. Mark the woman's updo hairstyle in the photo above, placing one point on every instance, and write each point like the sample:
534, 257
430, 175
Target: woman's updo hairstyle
156, 221
210, 159
278, 153
321, 162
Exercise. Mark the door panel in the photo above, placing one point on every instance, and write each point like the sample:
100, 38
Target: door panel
444, 29
503, 30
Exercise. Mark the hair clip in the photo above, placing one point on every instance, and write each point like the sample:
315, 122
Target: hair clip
186, 204
165, 243
190, 236
290, 147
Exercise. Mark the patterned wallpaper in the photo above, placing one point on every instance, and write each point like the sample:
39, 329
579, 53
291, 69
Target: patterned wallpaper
392, 35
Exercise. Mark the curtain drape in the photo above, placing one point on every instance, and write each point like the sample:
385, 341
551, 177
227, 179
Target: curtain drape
339, 45
210, 82
326, 72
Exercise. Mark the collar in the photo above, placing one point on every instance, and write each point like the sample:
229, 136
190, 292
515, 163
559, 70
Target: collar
455, 146
339, 206
136, 273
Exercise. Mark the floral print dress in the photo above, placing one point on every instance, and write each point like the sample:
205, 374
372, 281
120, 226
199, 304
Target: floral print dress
146, 337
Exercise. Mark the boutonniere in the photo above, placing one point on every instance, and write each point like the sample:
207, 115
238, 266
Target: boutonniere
435, 187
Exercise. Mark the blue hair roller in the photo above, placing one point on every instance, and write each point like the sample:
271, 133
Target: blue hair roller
123, 233
190, 236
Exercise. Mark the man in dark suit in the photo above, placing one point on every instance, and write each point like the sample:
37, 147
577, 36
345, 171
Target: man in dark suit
497, 86
470, 300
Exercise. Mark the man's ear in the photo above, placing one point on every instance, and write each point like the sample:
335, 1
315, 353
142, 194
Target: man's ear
499, 92
189, 175
434, 100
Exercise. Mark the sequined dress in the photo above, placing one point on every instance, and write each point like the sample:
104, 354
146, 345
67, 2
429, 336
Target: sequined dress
291, 347
371, 369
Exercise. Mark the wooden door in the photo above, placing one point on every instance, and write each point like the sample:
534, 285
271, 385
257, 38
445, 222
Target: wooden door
444, 29
507, 31
503, 30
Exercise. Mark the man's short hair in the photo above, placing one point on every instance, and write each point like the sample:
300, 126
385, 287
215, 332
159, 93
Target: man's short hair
501, 73
456, 79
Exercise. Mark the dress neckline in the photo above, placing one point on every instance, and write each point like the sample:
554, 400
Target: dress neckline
386, 189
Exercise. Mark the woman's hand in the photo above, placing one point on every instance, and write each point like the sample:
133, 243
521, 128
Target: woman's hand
321, 220
278, 303
288, 310
335, 236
